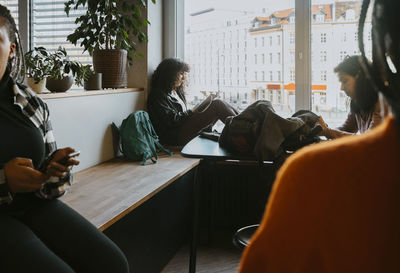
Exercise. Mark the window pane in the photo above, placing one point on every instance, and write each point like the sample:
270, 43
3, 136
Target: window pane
334, 36
51, 26
261, 65
12, 5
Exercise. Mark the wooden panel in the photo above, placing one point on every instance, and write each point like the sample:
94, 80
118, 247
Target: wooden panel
105, 193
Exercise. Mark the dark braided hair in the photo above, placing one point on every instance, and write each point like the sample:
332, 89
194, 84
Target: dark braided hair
16, 64
385, 41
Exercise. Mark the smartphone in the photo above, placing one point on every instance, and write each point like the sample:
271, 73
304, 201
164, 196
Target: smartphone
64, 160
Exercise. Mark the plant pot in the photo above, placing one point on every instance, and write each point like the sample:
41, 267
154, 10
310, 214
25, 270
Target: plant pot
37, 87
112, 64
94, 82
59, 85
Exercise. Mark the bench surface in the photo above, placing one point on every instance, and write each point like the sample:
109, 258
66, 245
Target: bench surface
105, 193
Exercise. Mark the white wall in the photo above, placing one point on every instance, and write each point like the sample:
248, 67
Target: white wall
83, 123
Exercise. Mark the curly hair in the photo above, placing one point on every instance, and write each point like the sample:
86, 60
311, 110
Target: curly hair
385, 44
365, 96
165, 75
15, 65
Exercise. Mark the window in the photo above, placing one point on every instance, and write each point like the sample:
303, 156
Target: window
343, 37
50, 26
328, 100
291, 37
323, 56
323, 75
292, 75
323, 37
259, 46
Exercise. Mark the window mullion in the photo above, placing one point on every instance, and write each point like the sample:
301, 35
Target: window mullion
303, 54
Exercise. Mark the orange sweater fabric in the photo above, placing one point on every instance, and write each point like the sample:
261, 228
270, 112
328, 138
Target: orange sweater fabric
335, 207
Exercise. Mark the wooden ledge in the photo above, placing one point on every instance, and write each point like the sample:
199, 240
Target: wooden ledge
82, 93
105, 193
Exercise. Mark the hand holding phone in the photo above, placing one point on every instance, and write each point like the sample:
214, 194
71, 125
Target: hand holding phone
64, 160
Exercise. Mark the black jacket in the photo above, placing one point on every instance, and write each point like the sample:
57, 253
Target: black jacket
166, 115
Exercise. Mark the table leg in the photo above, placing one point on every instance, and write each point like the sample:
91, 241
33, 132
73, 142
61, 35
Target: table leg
195, 227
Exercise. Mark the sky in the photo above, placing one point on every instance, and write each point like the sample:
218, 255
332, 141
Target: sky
248, 5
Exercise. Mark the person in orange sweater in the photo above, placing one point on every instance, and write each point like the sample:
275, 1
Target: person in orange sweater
335, 207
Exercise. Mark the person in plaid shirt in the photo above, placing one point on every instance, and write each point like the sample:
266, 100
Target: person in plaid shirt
39, 233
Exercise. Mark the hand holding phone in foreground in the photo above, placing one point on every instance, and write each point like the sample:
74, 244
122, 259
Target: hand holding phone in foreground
62, 162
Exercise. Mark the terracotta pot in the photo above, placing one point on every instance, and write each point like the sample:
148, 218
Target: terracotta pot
37, 87
59, 85
94, 82
112, 64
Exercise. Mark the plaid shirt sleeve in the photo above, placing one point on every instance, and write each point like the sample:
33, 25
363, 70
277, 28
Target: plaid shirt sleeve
37, 111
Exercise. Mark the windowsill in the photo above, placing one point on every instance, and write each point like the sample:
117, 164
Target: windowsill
83, 93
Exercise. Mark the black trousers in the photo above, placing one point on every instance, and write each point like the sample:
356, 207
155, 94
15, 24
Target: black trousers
48, 236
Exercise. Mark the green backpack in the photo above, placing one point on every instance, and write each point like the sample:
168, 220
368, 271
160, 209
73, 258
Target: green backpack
139, 141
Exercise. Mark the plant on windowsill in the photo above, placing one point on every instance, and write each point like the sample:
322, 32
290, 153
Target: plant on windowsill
108, 31
84, 75
37, 68
60, 75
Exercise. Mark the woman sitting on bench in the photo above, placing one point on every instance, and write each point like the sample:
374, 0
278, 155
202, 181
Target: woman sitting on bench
39, 233
173, 121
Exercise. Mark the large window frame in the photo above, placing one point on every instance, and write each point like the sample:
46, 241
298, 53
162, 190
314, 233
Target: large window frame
173, 39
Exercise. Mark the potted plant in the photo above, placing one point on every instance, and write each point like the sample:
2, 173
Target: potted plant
60, 75
84, 75
37, 68
107, 31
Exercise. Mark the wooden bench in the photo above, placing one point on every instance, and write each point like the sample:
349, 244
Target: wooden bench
105, 193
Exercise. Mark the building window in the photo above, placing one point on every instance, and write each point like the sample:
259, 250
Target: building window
263, 76
270, 40
323, 56
255, 42
270, 58
263, 58
323, 37
323, 75
271, 76
263, 41
255, 75
291, 37
343, 37
279, 76
279, 40
342, 55
279, 57
292, 75
255, 58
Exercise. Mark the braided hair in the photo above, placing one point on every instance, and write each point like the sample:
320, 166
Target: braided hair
16, 64
386, 44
